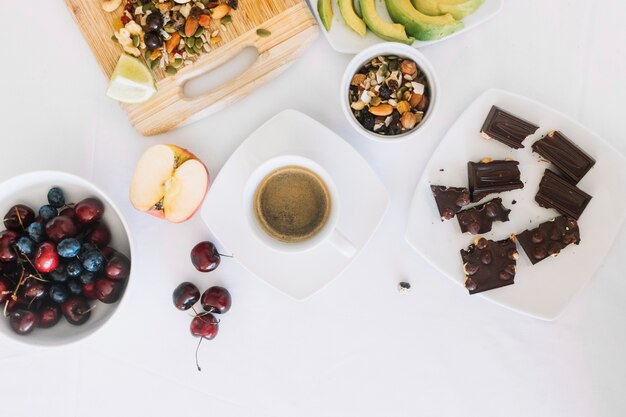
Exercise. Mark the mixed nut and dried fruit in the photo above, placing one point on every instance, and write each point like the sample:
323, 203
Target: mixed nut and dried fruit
389, 95
170, 34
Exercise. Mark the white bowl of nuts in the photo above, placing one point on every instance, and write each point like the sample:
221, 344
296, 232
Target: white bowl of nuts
389, 92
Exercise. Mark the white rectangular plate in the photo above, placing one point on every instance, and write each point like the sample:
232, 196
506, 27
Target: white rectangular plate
345, 40
542, 290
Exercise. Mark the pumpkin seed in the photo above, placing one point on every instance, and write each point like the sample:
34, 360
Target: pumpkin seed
147, 54
264, 33
135, 41
198, 43
189, 50
190, 42
199, 32
155, 64
226, 19
197, 48
114, 39
171, 70
177, 63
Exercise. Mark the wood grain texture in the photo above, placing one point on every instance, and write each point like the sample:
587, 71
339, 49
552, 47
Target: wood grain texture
292, 29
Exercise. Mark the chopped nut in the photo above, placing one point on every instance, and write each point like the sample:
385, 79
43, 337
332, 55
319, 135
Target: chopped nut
415, 99
111, 5
408, 67
418, 88
408, 120
375, 101
358, 79
358, 105
215, 40
220, 11
365, 97
381, 110
403, 106
172, 42
486, 160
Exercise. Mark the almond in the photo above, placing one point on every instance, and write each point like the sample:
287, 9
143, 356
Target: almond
381, 110
204, 20
408, 67
415, 99
220, 11
191, 24
422, 104
172, 42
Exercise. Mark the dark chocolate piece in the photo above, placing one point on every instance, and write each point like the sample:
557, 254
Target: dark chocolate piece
450, 200
479, 219
572, 161
557, 193
549, 238
489, 264
491, 177
506, 128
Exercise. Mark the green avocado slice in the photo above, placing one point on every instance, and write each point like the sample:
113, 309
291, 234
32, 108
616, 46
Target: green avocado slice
386, 30
419, 25
325, 9
457, 8
353, 21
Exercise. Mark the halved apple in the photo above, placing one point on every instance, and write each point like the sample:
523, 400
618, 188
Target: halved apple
169, 182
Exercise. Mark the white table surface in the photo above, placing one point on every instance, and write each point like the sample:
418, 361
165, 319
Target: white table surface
357, 348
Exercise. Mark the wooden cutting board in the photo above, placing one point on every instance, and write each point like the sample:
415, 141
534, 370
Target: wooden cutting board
292, 29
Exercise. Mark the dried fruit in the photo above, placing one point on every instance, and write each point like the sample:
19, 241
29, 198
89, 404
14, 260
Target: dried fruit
421, 106
408, 120
358, 79
204, 20
220, 11
403, 107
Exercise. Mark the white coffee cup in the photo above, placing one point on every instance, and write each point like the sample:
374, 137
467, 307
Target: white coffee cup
329, 233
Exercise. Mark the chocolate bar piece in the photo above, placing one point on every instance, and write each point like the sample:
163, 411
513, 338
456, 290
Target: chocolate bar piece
489, 264
489, 177
479, 219
572, 161
549, 238
450, 200
557, 193
506, 128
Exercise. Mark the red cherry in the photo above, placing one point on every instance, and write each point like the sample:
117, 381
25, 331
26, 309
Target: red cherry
89, 291
60, 228
46, 257
19, 217
109, 291
89, 210
76, 310
118, 267
205, 326
6, 289
23, 321
69, 212
108, 252
216, 300
99, 235
205, 257
33, 289
50, 314
7, 239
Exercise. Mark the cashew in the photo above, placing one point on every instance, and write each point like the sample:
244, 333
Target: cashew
111, 5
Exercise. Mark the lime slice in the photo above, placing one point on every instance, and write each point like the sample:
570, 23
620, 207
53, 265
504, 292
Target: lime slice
131, 81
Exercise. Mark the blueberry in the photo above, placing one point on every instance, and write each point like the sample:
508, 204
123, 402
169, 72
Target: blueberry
58, 293
35, 231
74, 268
59, 274
68, 248
25, 245
47, 212
74, 286
56, 197
87, 277
93, 261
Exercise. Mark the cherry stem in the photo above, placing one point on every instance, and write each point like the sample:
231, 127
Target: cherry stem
228, 256
198, 347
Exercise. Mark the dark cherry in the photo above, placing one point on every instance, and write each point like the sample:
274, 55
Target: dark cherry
76, 310
99, 235
89, 291
23, 321
60, 228
6, 289
49, 315
108, 252
8, 237
89, 210
108, 291
13, 304
69, 212
46, 257
7, 240
216, 300
185, 296
118, 267
33, 289
19, 217
205, 257
205, 326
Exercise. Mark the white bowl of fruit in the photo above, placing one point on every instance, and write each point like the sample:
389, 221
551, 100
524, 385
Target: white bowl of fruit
64, 258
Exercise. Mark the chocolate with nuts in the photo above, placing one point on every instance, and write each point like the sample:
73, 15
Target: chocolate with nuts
480, 219
489, 264
450, 200
490, 177
389, 95
549, 238
559, 194
572, 161
507, 128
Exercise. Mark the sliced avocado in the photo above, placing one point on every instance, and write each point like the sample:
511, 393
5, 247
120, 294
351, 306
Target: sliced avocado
389, 31
419, 25
353, 21
457, 8
325, 9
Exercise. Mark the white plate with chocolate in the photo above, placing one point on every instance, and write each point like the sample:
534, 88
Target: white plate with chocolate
295, 204
545, 193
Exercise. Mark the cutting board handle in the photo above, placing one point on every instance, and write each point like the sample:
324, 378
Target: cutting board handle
290, 34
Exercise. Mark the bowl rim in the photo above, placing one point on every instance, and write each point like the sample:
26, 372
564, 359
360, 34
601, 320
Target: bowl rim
390, 48
55, 175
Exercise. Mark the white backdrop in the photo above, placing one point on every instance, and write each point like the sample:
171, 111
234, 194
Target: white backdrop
357, 348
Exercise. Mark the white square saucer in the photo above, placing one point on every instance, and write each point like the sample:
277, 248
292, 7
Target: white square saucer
359, 202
